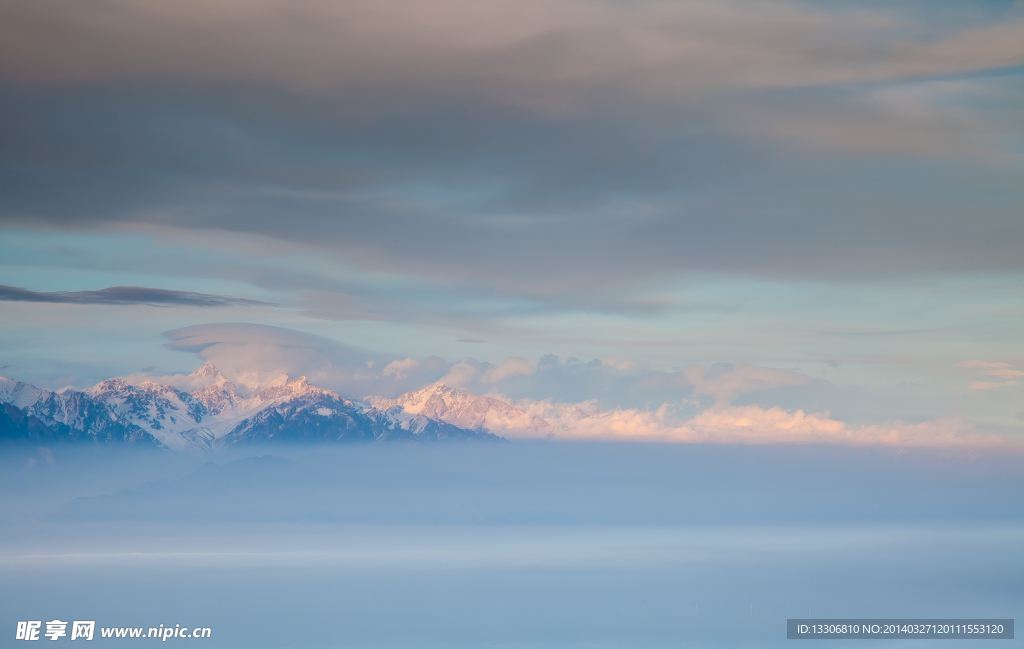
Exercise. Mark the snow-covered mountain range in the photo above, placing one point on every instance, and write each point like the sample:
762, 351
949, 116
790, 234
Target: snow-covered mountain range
461, 408
206, 410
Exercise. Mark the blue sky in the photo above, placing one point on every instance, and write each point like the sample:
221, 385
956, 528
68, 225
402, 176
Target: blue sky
635, 202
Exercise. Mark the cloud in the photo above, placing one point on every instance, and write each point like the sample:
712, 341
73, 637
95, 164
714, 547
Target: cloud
987, 385
725, 381
985, 369
544, 54
340, 306
624, 366
737, 425
200, 337
125, 295
511, 367
925, 120
607, 139
400, 369
459, 375
618, 383
251, 354
975, 364
1004, 374
259, 352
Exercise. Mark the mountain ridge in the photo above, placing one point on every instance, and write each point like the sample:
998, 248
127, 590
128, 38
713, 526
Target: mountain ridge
210, 412
461, 408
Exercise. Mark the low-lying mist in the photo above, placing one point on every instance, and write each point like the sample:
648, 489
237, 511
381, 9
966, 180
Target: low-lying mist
515, 544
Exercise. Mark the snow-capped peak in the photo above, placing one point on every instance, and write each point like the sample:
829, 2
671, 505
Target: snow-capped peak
208, 370
20, 394
292, 388
460, 408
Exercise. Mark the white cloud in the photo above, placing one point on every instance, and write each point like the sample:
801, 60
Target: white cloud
511, 367
459, 375
400, 368
253, 355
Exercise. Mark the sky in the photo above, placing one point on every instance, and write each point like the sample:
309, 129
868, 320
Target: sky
715, 212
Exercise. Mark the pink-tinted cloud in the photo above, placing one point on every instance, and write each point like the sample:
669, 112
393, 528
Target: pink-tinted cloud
976, 364
1004, 374
985, 369
737, 425
988, 385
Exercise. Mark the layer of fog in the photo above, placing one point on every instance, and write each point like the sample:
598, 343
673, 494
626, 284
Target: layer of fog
516, 544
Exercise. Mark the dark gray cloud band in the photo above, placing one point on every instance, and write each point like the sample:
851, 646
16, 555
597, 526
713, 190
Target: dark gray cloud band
513, 201
557, 151
125, 295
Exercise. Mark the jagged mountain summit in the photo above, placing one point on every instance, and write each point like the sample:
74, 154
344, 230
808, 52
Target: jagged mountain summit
206, 410
460, 408
26, 412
